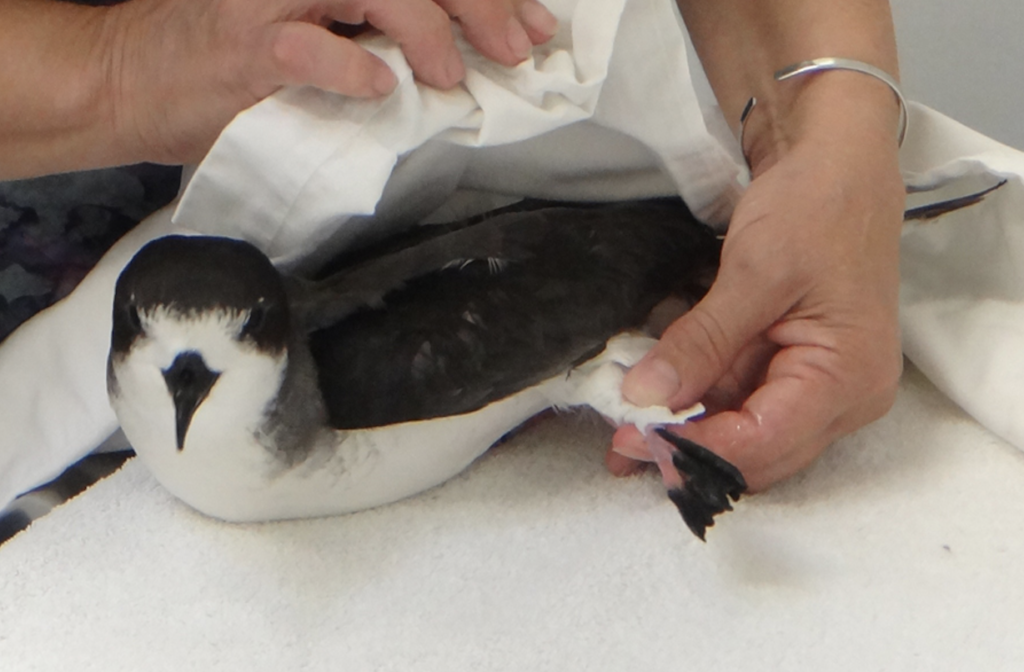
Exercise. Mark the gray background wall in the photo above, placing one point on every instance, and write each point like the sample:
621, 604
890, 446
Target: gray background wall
965, 58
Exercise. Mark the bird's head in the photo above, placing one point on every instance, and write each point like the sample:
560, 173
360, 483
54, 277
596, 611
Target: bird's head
198, 322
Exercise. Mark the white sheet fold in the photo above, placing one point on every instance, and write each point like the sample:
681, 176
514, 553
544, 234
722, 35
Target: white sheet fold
962, 292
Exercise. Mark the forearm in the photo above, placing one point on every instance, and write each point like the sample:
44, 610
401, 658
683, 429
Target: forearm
55, 112
741, 44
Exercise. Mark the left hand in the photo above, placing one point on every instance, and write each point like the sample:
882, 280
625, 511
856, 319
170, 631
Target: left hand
797, 342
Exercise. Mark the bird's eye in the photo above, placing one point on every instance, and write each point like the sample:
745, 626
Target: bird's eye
254, 323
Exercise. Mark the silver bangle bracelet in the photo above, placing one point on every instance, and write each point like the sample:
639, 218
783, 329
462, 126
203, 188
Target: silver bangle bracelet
820, 65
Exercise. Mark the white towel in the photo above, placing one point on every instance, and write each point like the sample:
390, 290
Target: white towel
899, 550
605, 111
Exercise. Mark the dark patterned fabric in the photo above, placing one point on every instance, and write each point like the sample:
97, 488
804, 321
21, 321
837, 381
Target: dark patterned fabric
54, 229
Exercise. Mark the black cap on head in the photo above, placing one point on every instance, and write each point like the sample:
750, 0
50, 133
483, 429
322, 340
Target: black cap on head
196, 274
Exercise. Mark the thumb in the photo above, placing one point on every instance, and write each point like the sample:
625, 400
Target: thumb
699, 348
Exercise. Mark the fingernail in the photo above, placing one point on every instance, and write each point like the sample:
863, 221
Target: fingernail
518, 40
652, 382
384, 81
454, 68
539, 18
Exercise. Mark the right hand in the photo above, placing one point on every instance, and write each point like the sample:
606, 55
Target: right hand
179, 71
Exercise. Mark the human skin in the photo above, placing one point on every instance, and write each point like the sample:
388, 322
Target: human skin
157, 80
797, 342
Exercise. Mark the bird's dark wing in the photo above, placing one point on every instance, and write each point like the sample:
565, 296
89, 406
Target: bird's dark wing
450, 324
325, 302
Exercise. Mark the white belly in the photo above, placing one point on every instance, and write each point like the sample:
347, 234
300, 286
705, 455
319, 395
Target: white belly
226, 472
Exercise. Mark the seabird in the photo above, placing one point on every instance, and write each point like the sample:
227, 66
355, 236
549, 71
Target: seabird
255, 395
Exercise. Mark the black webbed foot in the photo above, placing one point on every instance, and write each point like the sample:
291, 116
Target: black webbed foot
709, 485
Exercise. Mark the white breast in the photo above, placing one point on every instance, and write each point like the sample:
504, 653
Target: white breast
221, 453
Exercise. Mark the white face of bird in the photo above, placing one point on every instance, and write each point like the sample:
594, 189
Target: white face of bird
193, 381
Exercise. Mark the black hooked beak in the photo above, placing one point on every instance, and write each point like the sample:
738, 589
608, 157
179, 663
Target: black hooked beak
189, 381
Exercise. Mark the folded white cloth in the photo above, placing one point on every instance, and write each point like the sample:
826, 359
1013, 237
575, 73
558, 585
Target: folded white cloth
572, 122
962, 293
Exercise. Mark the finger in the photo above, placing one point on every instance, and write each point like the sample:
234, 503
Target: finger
754, 444
420, 27
806, 403
500, 30
628, 454
783, 427
492, 28
301, 54
701, 346
540, 24
629, 442
621, 466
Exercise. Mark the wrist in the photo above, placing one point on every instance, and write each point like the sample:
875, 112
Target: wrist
838, 113
58, 113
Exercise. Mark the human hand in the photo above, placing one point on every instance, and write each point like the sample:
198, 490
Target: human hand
503, 30
797, 342
180, 71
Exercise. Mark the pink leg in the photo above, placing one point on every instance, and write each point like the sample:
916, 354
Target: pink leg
661, 452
